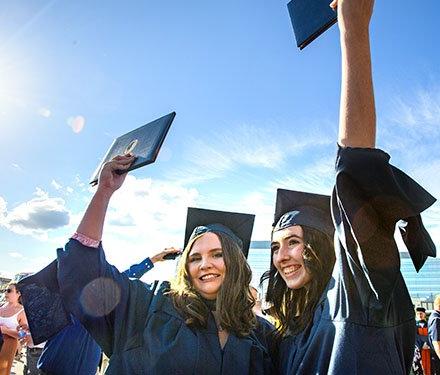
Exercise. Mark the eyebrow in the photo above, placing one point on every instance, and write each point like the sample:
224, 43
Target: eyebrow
288, 238
210, 251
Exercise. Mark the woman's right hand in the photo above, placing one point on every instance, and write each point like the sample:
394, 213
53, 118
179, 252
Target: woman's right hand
110, 178
353, 15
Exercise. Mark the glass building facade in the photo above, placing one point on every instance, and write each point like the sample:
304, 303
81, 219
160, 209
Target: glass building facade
422, 286
425, 284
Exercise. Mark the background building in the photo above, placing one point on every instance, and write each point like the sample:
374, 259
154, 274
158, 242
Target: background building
422, 286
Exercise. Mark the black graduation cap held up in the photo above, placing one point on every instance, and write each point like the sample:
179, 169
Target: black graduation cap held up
237, 226
300, 208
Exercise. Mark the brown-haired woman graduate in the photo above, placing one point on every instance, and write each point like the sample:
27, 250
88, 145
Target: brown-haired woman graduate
358, 319
202, 324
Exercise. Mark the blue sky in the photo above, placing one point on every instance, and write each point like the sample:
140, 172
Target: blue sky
253, 114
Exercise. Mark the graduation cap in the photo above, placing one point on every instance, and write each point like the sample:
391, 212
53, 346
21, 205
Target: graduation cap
237, 226
421, 309
299, 208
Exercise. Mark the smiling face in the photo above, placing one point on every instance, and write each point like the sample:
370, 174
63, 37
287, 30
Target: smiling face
287, 256
206, 266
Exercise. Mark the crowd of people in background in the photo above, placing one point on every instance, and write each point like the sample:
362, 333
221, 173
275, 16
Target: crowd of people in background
427, 351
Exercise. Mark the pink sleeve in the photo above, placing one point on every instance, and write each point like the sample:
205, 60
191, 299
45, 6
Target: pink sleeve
86, 241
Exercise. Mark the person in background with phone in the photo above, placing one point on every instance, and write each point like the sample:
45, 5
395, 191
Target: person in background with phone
11, 316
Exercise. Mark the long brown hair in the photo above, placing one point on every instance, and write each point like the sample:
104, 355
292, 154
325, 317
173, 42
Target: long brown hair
234, 302
294, 308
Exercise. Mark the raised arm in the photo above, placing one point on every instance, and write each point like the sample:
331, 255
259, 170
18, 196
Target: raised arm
357, 117
109, 181
138, 270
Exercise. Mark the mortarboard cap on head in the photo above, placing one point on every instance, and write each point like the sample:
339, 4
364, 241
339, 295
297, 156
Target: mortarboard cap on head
421, 309
237, 226
299, 208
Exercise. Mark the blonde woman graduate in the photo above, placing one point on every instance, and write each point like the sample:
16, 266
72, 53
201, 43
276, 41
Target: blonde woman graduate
201, 323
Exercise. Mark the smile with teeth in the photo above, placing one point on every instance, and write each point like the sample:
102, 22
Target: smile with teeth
290, 270
209, 277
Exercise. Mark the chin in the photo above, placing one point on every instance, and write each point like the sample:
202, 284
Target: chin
209, 294
297, 284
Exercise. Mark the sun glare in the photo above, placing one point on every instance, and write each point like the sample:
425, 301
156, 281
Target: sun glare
14, 88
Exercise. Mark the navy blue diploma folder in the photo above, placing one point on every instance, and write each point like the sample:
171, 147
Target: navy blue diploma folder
310, 18
144, 143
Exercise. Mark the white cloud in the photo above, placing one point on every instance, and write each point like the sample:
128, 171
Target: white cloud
56, 185
145, 216
79, 182
249, 146
3, 207
44, 112
413, 137
16, 166
76, 123
317, 177
262, 205
15, 254
418, 113
36, 216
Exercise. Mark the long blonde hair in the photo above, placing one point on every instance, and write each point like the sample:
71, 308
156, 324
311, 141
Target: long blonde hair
234, 301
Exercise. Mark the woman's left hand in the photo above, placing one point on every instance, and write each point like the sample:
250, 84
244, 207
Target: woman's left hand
169, 250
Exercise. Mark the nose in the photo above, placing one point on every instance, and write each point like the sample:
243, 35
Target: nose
205, 263
283, 253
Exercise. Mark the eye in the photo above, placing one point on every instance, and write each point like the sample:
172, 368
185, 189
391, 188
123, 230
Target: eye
274, 248
218, 254
193, 259
293, 242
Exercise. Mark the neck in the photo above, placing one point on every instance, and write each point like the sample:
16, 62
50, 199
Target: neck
13, 304
211, 303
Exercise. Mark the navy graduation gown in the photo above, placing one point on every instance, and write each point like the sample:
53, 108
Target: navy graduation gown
138, 327
364, 322
71, 351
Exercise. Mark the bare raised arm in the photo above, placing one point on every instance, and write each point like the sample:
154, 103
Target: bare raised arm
109, 181
357, 117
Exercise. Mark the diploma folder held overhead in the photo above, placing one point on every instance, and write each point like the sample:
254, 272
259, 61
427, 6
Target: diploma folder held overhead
144, 143
310, 18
